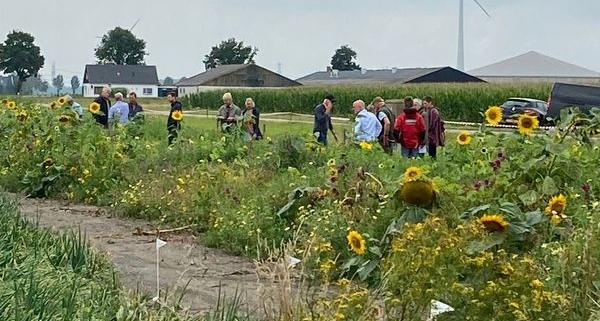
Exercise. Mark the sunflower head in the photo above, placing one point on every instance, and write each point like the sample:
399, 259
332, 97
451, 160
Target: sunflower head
556, 205
365, 145
177, 115
94, 108
526, 124
333, 172
494, 223
331, 162
464, 138
419, 192
357, 242
22, 116
411, 174
64, 119
4, 101
53, 105
48, 162
11, 104
493, 115
61, 101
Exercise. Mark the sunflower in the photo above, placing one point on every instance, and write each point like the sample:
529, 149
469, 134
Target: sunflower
417, 192
11, 105
61, 101
464, 138
94, 108
494, 223
333, 172
527, 124
48, 162
177, 115
331, 162
364, 145
412, 173
493, 115
22, 116
357, 242
64, 119
4, 101
53, 105
556, 205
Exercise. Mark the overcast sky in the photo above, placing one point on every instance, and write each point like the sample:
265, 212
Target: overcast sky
302, 35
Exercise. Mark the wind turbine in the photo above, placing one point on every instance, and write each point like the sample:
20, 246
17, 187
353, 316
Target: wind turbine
460, 65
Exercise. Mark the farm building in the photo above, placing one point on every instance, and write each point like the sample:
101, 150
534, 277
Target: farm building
239, 76
387, 76
535, 67
139, 78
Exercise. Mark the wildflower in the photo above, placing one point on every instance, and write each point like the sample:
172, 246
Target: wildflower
556, 205
357, 242
365, 145
464, 138
494, 223
11, 105
493, 115
177, 115
331, 162
94, 108
333, 172
61, 101
527, 124
536, 283
555, 219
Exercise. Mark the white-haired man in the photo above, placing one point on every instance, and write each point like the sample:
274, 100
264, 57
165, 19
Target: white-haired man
367, 127
104, 102
119, 110
228, 113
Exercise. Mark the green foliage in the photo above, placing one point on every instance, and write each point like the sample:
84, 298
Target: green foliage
75, 83
58, 83
168, 81
457, 102
20, 55
344, 59
121, 47
229, 52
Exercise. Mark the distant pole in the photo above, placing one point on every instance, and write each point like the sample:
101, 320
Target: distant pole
460, 64
279, 68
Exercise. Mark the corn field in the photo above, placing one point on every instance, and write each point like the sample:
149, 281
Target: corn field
459, 102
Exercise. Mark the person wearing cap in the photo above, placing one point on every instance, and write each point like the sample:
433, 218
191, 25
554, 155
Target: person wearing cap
322, 122
418, 105
119, 110
367, 127
228, 113
386, 117
134, 106
74, 105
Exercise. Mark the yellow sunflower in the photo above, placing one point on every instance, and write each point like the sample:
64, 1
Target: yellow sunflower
53, 105
177, 115
22, 116
61, 101
64, 119
556, 205
94, 108
412, 173
464, 138
365, 145
494, 223
357, 242
4, 101
493, 115
331, 162
11, 105
527, 124
418, 192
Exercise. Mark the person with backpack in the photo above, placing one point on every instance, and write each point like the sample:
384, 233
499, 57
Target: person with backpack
385, 117
435, 131
411, 128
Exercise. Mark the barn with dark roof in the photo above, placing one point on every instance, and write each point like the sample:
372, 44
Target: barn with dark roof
141, 79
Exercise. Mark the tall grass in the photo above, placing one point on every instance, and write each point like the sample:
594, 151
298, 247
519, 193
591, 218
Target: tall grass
457, 101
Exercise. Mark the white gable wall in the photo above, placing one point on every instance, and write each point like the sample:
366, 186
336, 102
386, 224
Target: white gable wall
91, 90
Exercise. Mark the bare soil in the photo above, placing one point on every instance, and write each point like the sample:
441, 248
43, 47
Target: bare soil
183, 259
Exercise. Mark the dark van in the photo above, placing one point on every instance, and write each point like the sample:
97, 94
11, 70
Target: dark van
571, 95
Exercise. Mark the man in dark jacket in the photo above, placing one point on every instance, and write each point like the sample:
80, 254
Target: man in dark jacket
104, 102
175, 116
322, 122
134, 107
386, 118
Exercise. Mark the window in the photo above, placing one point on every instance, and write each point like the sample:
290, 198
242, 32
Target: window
147, 91
97, 90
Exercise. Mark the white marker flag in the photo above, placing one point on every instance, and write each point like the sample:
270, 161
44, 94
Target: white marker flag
159, 243
292, 261
438, 308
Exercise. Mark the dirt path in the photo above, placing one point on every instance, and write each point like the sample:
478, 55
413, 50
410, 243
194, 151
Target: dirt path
183, 259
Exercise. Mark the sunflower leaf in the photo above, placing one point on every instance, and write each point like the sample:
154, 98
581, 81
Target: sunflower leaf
510, 208
473, 211
365, 270
533, 218
529, 198
480, 246
556, 149
412, 215
549, 187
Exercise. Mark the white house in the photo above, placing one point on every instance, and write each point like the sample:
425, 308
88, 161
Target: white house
139, 78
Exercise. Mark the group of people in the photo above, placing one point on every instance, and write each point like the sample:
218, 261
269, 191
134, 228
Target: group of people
229, 115
418, 130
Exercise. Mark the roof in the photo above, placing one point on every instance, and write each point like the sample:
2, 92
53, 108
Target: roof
121, 74
526, 99
533, 64
210, 74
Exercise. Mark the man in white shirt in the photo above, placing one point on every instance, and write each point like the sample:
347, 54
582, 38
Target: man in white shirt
120, 109
367, 127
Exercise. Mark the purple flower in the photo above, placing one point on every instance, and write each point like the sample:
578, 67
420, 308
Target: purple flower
477, 185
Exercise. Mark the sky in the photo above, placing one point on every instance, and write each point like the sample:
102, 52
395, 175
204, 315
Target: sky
302, 35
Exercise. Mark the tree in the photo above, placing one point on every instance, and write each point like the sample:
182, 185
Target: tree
20, 55
119, 46
32, 84
343, 59
58, 83
75, 83
168, 81
229, 52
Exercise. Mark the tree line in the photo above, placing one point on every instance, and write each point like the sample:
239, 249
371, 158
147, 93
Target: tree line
21, 59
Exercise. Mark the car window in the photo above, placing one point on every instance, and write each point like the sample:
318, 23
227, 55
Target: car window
517, 104
541, 105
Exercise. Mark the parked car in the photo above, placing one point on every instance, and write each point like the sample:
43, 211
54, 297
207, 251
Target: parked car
514, 107
571, 95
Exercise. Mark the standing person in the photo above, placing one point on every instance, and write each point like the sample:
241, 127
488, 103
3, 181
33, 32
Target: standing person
322, 122
104, 102
175, 117
74, 105
251, 117
436, 130
418, 104
411, 128
367, 127
119, 110
386, 117
228, 113
134, 106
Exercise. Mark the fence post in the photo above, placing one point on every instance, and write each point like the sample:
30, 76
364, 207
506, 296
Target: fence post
344, 135
264, 130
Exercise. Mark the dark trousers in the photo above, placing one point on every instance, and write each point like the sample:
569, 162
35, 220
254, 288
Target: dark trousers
172, 135
432, 150
322, 138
